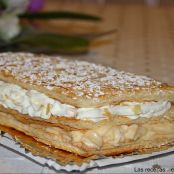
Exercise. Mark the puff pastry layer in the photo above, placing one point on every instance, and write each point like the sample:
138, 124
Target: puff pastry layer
36, 88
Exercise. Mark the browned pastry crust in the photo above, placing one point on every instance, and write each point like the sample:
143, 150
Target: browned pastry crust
40, 149
105, 139
79, 83
64, 157
84, 84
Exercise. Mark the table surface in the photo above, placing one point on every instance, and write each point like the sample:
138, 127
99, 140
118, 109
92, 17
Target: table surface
143, 44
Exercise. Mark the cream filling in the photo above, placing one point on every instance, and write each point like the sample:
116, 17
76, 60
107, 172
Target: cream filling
37, 104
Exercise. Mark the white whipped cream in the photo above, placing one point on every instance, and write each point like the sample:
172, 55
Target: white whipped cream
32, 102
37, 104
95, 114
136, 109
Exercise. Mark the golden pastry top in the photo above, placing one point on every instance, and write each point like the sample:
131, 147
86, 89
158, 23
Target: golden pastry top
79, 83
83, 77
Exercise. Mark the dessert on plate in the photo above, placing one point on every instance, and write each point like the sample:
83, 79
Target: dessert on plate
83, 109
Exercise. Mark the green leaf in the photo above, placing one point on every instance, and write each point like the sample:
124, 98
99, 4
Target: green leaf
2, 43
49, 43
95, 35
42, 42
2, 6
59, 15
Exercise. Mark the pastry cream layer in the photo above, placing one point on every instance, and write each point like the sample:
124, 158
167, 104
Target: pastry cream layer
101, 137
37, 104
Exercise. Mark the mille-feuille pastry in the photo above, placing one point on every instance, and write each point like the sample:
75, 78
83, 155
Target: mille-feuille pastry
43, 150
84, 108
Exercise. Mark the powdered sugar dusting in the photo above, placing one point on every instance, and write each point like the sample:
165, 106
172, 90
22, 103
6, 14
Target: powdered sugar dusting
84, 78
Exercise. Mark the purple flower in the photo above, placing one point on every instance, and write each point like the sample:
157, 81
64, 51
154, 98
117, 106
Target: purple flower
35, 5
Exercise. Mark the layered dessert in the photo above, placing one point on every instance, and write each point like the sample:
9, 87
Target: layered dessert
82, 108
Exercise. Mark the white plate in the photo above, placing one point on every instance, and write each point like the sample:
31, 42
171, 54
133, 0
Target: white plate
8, 142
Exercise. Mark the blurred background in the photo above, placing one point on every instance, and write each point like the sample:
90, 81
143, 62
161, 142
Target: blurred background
131, 35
